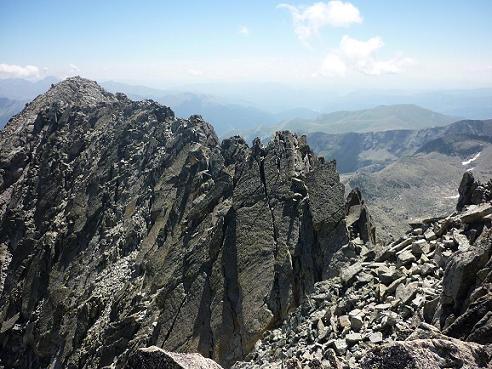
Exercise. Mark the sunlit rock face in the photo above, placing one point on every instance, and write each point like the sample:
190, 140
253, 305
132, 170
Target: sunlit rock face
124, 227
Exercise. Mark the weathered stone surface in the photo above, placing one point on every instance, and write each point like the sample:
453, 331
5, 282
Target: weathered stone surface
127, 227
358, 220
349, 273
428, 353
340, 346
466, 301
475, 324
461, 273
390, 302
472, 192
376, 337
388, 275
353, 338
123, 227
476, 212
356, 320
430, 235
344, 321
391, 251
420, 247
406, 293
155, 358
405, 258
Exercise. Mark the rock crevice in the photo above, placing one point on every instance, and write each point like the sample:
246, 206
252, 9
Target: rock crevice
125, 227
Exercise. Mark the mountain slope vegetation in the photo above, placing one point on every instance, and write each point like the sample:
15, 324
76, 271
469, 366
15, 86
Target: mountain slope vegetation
380, 118
413, 174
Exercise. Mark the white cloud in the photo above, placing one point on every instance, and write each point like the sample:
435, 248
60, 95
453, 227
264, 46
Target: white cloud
19, 71
74, 68
332, 66
71, 71
195, 72
359, 56
309, 20
243, 30
355, 49
394, 65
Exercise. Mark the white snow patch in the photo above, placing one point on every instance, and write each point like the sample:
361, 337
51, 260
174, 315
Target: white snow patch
470, 169
452, 197
475, 157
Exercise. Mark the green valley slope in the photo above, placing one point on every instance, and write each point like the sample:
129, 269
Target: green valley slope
404, 174
380, 118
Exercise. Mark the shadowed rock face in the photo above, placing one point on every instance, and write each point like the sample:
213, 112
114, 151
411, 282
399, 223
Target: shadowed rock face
472, 192
156, 358
358, 220
122, 226
423, 301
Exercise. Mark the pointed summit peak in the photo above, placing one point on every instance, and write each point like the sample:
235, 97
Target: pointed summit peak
73, 91
76, 81
78, 91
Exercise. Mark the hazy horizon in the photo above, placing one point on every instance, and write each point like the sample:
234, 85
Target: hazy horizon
332, 45
276, 56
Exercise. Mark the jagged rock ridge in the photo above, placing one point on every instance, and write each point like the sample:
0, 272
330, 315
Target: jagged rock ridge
425, 301
123, 227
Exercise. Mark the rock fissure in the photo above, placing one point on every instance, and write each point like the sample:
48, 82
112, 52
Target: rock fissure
395, 307
122, 226
173, 322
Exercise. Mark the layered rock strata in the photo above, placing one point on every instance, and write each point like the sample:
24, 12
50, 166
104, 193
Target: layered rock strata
122, 226
424, 301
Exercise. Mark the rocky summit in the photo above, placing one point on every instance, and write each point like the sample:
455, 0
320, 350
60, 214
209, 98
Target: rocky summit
124, 227
130, 238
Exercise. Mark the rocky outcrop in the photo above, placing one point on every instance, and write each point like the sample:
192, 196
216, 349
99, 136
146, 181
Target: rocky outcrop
428, 353
359, 222
466, 302
123, 227
127, 235
422, 302
472, 192
155, 358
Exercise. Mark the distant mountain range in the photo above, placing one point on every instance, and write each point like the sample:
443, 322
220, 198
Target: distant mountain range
469, 103
21, 89
380, 118
228, 117
372, 151
408, 173
8, 108
16, 92
258, 110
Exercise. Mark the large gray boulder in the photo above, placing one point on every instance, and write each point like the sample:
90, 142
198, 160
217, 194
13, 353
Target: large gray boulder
429, 353
466, 300
472, 192
460, 277
359, 222
466, 310
156, 358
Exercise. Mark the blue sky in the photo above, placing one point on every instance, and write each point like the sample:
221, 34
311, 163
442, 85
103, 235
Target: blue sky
404, 44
